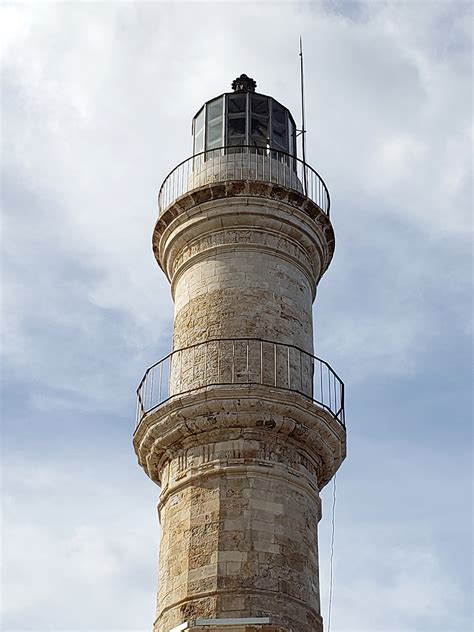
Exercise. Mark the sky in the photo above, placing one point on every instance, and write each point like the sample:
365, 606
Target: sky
96, 106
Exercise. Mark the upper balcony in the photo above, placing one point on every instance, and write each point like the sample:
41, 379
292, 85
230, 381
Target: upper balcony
244, 163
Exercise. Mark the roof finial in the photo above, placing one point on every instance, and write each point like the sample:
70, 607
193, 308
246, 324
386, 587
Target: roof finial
244, 84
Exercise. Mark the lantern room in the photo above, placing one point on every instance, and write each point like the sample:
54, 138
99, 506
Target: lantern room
244, 118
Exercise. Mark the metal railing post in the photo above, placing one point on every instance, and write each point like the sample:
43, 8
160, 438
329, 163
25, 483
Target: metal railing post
289, 368
329, 387
151, 384
343, 408
161, 379
275, 361
248, 374
321, 380
145, 391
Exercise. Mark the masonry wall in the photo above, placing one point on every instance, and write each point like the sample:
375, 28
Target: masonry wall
240, 536
241, 451
246, 293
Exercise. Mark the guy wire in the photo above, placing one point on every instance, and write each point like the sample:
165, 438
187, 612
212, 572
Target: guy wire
333, 531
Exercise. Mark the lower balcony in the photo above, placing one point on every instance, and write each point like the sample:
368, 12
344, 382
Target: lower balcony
241, 361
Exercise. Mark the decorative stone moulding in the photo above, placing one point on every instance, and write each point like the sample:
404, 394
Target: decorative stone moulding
295, 217
187, 420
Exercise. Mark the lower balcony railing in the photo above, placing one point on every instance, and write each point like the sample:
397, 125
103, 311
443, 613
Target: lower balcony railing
250, 361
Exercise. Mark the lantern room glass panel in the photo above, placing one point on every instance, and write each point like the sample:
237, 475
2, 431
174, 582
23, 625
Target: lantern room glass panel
198, 144
292, 137
259, 132
259, 105
236, 104
259, 120
215, 123
237, 120
279, 127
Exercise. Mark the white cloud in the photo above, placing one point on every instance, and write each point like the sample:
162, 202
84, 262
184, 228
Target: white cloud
81, 541
401, 531
405, 588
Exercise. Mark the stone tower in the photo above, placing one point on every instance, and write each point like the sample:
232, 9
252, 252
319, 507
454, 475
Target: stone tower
241, 425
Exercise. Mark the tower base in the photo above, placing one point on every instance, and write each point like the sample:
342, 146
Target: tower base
240, 470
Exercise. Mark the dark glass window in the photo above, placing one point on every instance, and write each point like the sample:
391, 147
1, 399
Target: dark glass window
236, 119
259, 118
280, 138
259, 105
259, 131
237, 103
279, 127
279, 135
279, 114
236, 127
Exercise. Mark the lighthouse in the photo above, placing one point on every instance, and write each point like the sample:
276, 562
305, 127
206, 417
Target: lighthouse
242, 424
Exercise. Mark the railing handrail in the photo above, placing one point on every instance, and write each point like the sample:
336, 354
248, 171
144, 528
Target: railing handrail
272, 342
270, 150
339, 414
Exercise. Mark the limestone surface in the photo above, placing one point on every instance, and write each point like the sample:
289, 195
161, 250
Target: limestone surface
241, 465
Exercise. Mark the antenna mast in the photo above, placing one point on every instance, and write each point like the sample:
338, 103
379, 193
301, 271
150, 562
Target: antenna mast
303, 128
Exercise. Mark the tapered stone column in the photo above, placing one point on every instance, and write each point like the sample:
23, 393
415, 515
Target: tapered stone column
250, 428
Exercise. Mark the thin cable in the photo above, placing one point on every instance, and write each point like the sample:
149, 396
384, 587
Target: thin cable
333, 532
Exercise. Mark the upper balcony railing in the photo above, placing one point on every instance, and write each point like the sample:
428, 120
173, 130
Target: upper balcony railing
241, 361
244, 162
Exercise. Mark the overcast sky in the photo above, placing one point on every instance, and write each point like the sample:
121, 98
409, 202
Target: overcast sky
97, 101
